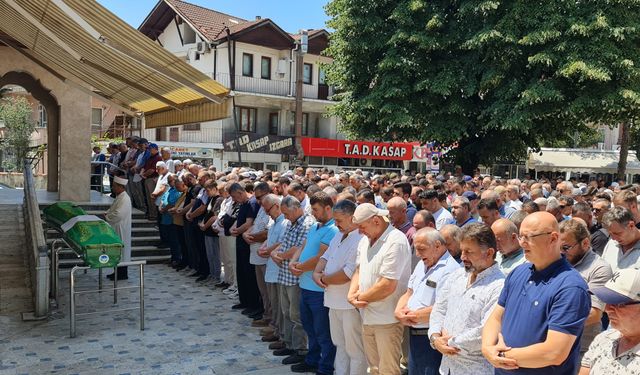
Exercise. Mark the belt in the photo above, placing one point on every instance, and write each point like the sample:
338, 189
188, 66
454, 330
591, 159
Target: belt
419, 331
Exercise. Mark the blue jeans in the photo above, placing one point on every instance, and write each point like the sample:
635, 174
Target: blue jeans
423, 359
315, 321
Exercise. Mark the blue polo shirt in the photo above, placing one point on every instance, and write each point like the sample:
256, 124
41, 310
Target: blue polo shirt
318, 235
555, 298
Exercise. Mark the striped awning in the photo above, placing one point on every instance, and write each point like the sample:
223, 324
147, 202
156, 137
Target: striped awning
86, 44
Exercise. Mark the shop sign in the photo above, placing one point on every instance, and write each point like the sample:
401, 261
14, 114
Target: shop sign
191, 152
357, 149
270, 144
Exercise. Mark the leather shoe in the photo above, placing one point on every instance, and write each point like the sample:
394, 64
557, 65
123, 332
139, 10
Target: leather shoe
303, 367
277, 345
256, 316
259, 323
294, 358
238, 306
283, 352
247, 311
201, 278
271, 338
266, 331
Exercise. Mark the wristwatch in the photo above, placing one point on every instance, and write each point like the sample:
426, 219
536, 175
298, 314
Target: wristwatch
432, 340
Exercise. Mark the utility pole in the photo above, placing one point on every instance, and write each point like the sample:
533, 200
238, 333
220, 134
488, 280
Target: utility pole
301, 50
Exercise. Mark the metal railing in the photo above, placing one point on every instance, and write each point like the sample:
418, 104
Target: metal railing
97, 179
274, 87
37, 244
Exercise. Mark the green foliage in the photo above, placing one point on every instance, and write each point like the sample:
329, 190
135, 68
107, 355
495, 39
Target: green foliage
16, 113
492, 77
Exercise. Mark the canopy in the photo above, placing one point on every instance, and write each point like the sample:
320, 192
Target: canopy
81, 41
580, 161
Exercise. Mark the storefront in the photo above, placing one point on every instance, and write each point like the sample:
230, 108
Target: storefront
259, 151
194, 151
581, 163
371, 156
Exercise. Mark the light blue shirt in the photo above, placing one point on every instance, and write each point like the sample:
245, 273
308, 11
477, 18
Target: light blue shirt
275, 235
426, 282
318, 235
443, 217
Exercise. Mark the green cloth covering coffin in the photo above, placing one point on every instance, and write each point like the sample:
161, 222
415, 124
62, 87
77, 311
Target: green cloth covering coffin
61, 212
95, 241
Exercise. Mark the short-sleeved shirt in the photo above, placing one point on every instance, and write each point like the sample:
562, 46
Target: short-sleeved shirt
388, 257
296, 233
162, 181
319, 234
340, 256
247, 210
555, 298
602, 358
426, 282
596, 272
470, 220
613, 255
599, 239
260, 224
275, 235
411, 211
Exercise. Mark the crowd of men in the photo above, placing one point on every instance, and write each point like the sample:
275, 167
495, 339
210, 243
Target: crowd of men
351, 273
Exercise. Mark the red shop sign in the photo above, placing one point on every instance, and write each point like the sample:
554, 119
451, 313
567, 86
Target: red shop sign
357, 149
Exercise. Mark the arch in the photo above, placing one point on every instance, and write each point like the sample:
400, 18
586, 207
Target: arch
50, 103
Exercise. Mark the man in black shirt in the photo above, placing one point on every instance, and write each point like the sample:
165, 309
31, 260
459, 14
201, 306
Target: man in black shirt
245, 271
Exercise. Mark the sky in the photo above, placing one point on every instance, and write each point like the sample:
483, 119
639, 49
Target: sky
289, 15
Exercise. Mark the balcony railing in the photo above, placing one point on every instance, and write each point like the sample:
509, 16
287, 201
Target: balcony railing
273, 87
204, 135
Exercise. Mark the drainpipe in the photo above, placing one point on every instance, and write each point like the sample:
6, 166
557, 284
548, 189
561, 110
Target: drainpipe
232, 82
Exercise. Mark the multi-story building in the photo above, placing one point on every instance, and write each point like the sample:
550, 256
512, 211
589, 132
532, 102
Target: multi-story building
257, 59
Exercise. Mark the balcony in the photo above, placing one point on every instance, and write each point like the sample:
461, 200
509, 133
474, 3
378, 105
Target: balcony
177, 134
274, 87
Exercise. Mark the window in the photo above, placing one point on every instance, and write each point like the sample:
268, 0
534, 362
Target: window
265, 67
161, 134
273, 123
247, 65
307, 74
191, 127
174, 134
188, 34
322, 77
305, 124
42, 116
247, 119
96, 117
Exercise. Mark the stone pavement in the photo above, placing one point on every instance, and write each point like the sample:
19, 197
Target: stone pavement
189, 329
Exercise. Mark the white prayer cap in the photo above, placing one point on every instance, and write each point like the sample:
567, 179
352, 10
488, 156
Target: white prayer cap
187, 161
120, 181
177, 162
161, 164
167, 149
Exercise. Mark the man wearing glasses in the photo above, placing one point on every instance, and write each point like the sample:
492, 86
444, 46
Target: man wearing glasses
576, 247
537, 324
617, 351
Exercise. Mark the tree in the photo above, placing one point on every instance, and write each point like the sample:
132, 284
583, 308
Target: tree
16, 114
492, 78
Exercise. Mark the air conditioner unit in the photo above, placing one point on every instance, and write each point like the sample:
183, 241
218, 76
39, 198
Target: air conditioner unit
202, 47
282, 67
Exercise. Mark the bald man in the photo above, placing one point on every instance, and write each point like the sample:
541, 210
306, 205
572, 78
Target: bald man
510, 254
553, 300
397, 208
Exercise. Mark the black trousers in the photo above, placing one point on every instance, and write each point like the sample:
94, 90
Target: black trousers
179, 231
246, 275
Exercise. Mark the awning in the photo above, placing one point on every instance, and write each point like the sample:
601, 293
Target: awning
580, 161
83, 42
